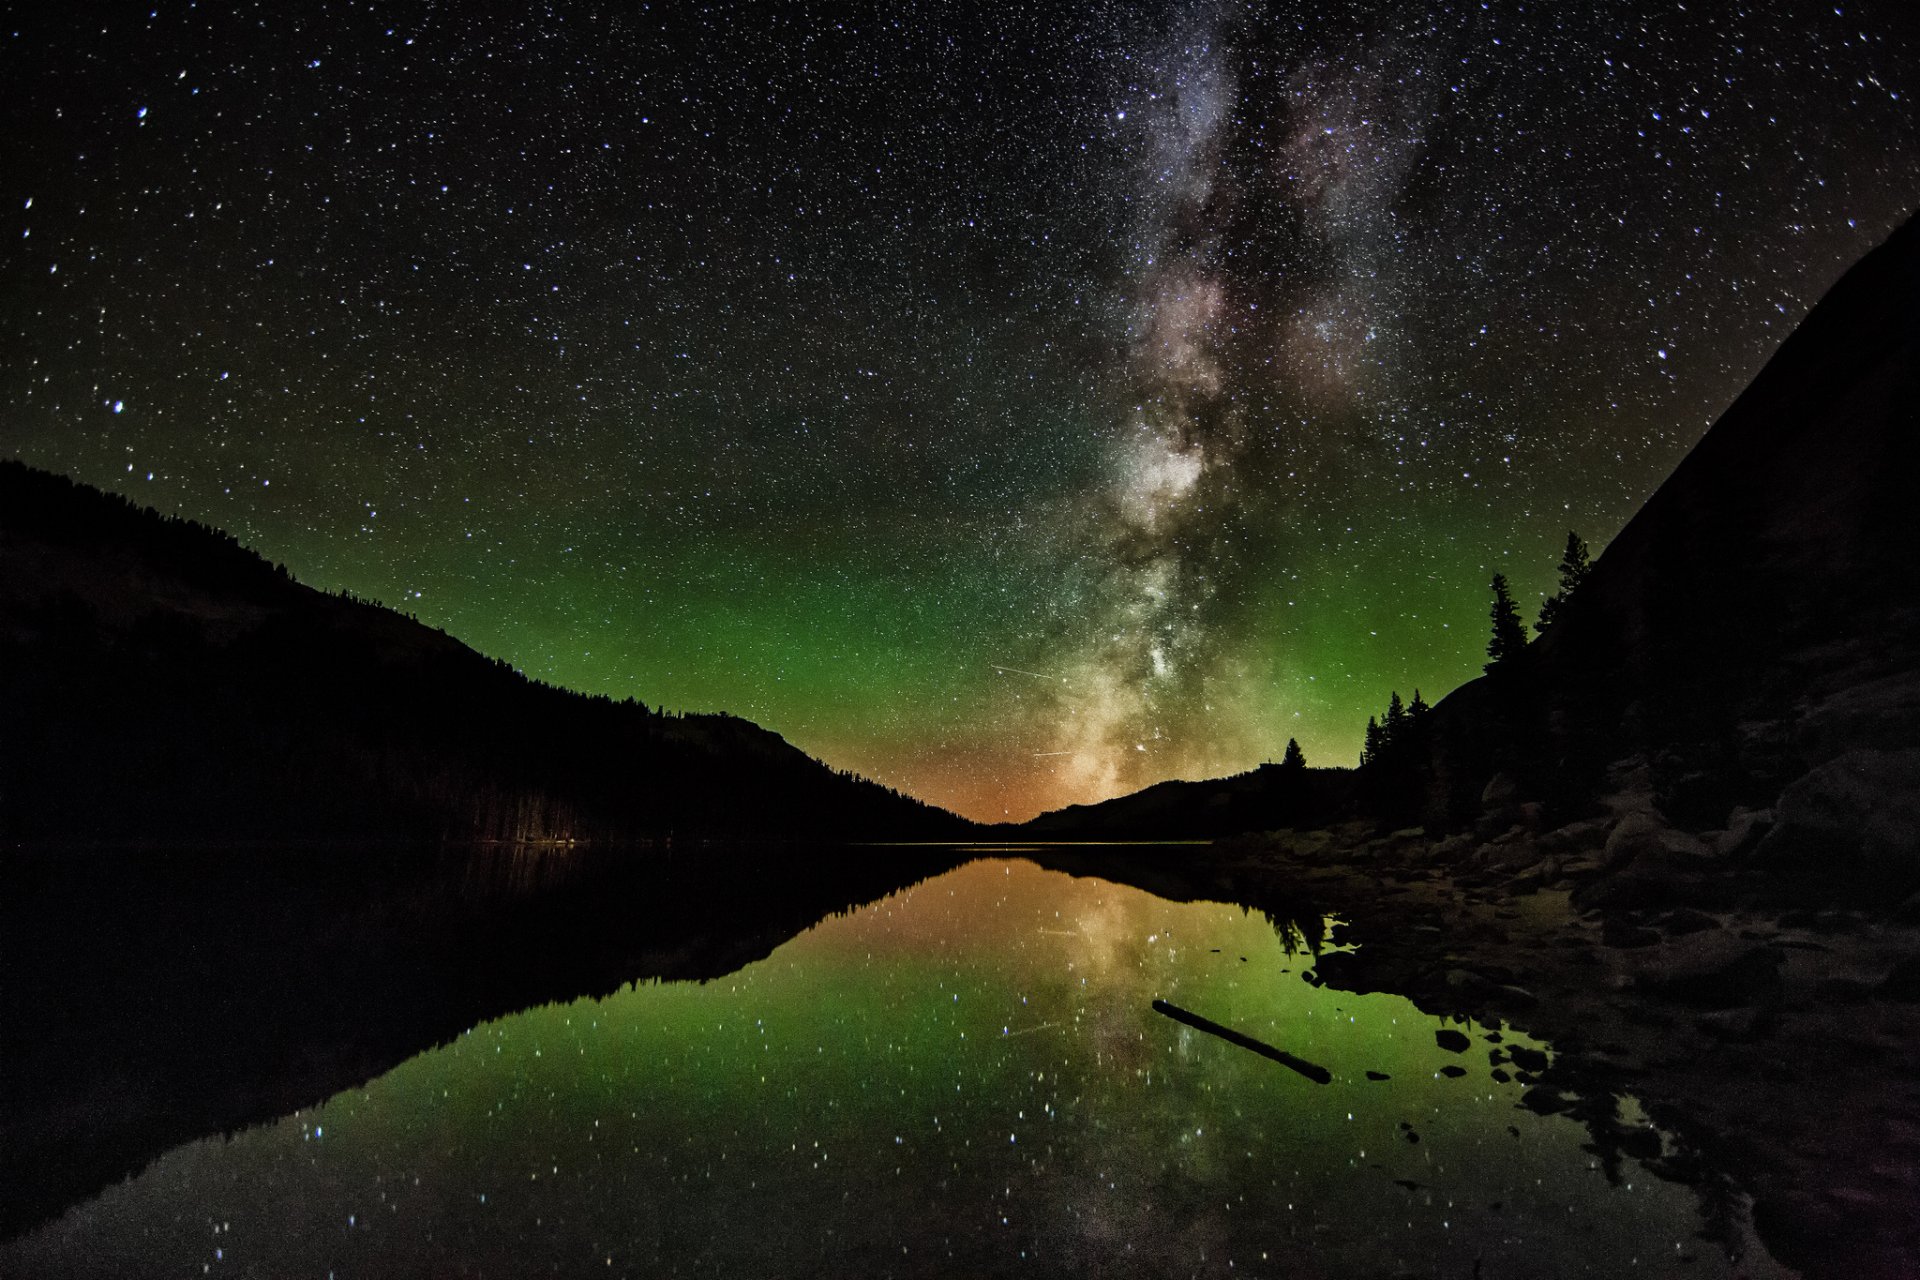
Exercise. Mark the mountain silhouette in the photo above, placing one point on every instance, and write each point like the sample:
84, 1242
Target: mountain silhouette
1758, 621
160, 682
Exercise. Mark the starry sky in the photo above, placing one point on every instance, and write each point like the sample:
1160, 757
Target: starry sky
1016, 404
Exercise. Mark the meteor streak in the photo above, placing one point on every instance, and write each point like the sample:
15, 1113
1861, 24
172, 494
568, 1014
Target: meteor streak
1016, 671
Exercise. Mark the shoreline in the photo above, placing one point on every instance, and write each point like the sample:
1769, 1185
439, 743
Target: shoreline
1736, 1019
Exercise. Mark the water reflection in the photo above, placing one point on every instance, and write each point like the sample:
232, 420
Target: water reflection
967, 1076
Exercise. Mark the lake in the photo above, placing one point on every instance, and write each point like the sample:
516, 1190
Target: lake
965, 1076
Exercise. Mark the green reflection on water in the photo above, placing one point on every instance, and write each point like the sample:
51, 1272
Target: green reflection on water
965, 1077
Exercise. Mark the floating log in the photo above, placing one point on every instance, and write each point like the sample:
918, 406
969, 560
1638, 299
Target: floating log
1317, 1074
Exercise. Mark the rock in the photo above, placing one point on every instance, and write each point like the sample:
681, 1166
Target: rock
1527, 882
1496, 823
1630, 788
1525, 1059
1740, 1025
1903, 983
1645, 837
1642, 886
1452, 1041
1468, 983
1515, 853
1575, 837
1858, 815
1712, 971
1844, 991
1622, 934
1501, 791
1877, 715
1687, 920
1745, 829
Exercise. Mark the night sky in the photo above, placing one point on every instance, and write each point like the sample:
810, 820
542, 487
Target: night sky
1014, 404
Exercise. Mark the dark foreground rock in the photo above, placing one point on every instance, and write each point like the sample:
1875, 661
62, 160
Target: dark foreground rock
1772, 1030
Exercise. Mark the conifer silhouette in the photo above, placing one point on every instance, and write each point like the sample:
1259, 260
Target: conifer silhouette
1509, 632
1573, 571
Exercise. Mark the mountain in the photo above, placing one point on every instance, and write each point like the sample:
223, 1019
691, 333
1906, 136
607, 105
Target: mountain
1260, 799
1749, 641
160, 682
1753, 633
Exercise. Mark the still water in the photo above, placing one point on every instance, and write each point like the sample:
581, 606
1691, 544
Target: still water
967, 1077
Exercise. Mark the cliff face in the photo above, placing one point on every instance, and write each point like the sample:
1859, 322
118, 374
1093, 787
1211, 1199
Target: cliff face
160, 682
1760, 617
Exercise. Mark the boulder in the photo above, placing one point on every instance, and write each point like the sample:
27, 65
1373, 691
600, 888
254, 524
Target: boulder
1745, 829
1575, 837
1857, 815
1876, 715
1501, 791
1712, 971
1903, 983
1644, 838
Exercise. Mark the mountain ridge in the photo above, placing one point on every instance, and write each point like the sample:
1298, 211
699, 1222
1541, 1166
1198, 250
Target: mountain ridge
164, 682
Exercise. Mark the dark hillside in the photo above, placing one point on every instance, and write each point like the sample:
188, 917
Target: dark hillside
1258, 800
1760, 616
160, 682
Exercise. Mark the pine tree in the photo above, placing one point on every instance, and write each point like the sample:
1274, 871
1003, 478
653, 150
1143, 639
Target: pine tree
1295, 758
1394, 730
1509, 633
1573, 571
1417, 709
1375, 741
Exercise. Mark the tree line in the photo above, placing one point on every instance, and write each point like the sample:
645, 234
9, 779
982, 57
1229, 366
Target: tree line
1397, 740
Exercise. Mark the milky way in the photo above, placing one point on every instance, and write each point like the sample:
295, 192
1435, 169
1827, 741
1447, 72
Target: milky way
1017, 407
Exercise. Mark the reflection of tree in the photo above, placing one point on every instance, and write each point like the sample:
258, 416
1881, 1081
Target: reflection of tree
201, 1010
1301, 932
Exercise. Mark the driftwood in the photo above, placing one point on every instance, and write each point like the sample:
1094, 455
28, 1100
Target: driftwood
1317, 1074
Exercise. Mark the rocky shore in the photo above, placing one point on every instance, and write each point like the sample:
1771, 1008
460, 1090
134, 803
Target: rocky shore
1767, 1020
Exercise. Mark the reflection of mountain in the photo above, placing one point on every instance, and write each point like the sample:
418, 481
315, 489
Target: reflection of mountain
153, 999
157, 680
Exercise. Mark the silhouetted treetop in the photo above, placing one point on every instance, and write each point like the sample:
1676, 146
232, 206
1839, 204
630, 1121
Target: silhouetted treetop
1573, 571
1509, 632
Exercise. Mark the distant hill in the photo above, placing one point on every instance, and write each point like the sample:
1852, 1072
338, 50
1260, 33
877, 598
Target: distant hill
160, 682
1258, 800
